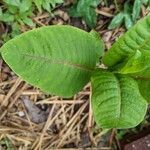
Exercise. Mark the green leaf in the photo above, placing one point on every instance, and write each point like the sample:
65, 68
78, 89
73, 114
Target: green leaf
13, 9
144, 86
57, 59
13, 2
136, 9
38, 4
46, 4
128, 21
143, 79
127, 15
86, 10
25, 6
91, 17
137, 38
100, 43
146, 2
7, 17
54, 2
128, 7
117, 21
15, 30
29, 22
137, 65
116, 101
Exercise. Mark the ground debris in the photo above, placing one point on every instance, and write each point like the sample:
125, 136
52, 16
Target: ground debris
36, 114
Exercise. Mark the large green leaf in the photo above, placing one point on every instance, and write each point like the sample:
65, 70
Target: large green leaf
137, 38
116, 100
57, 59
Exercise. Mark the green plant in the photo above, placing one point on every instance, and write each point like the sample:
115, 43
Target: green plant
21, 10
17, 11
7, 143
61, 60
46, 4
86, 10
129, 14
14, 14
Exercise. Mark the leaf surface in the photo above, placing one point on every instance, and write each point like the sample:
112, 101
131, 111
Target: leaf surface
136, 9
137, 38
57, 59
116, 101
117, 21
136, 65
127, 15
144, 87
85, 9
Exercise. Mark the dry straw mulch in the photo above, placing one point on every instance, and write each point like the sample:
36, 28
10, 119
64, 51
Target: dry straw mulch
69, 123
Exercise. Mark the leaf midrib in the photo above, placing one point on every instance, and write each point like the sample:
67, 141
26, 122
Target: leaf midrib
53, 61
120, 97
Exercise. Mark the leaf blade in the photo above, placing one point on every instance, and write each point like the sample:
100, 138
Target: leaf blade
52, 58
136, 38
136, 9
116, 101
117, 21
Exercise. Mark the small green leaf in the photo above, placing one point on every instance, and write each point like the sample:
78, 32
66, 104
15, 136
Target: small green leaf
127, 14
7, 17
25, 6
116, 101
127, 8
13, 9
54, 2
38, 4
46, 4
49, 4
15, 30
91, 17
117, 21
136, 9
86, 10
146, 2
28, 22
128, 21
57, 59
13, 2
